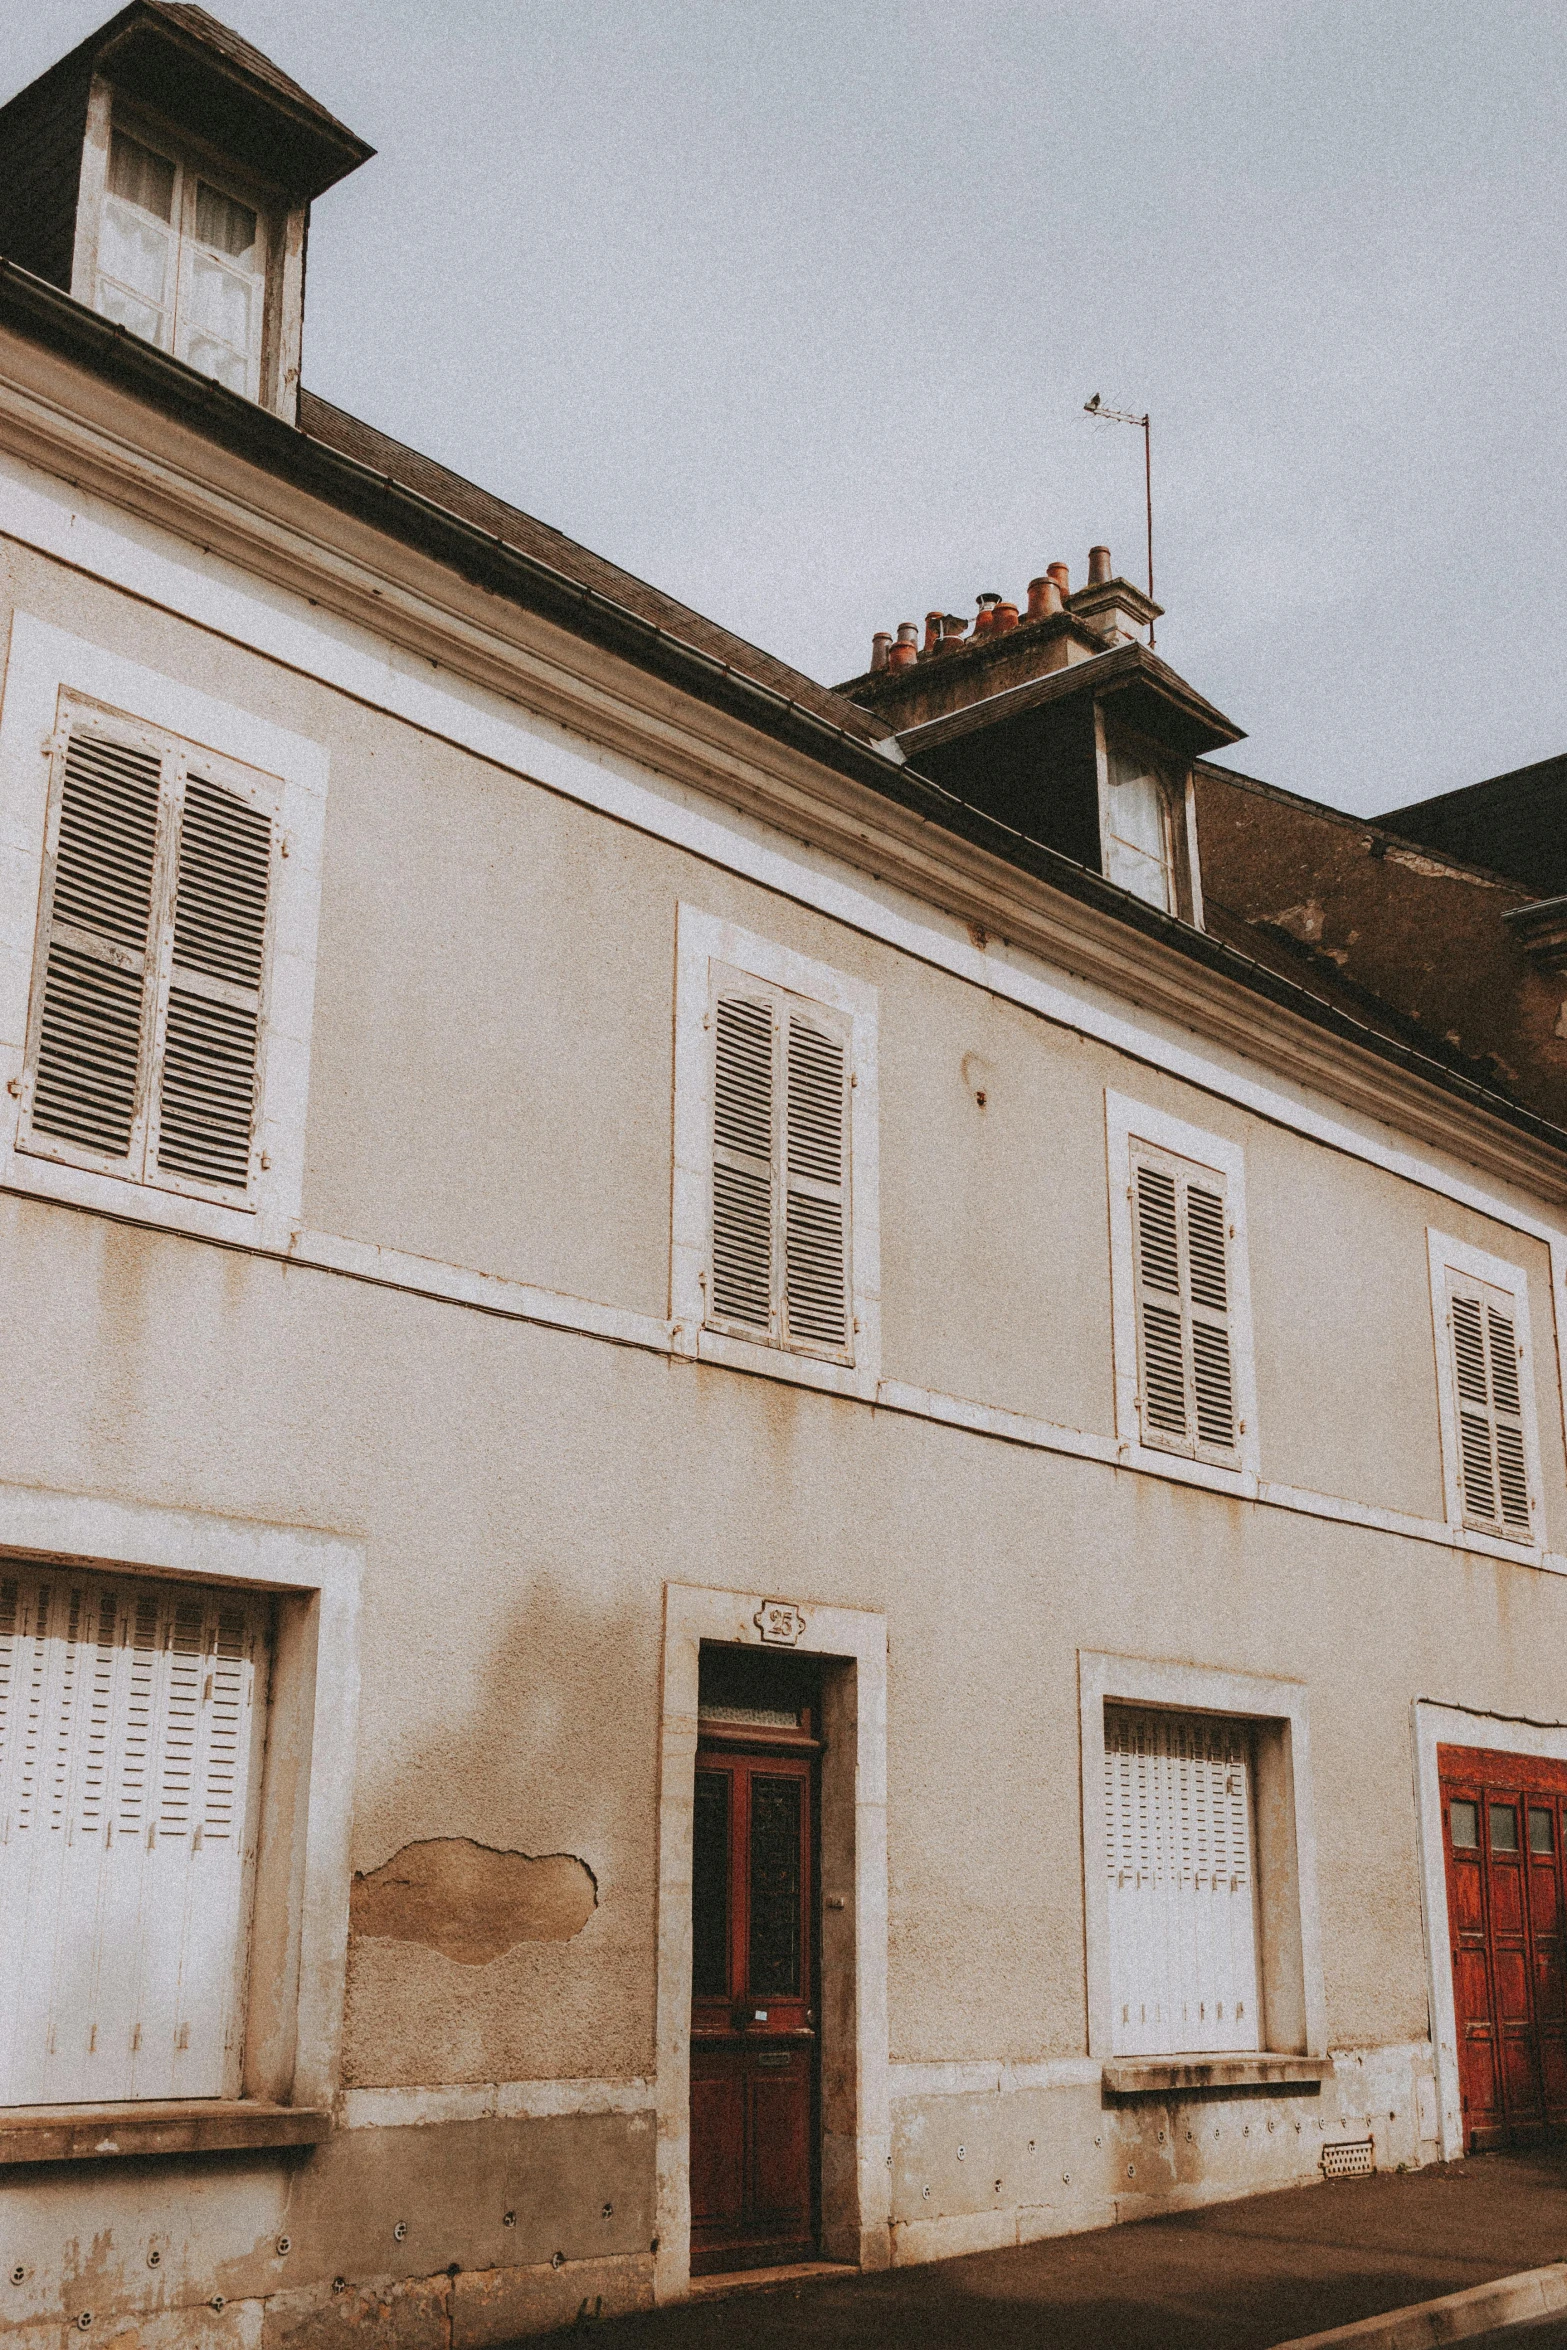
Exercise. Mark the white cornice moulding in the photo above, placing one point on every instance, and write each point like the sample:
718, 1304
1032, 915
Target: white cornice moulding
236, 515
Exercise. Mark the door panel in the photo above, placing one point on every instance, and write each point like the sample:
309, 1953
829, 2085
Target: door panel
753, 2020
1503, 1822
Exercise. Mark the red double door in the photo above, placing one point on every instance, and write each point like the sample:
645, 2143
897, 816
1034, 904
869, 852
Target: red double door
753, 2011
1504, 1826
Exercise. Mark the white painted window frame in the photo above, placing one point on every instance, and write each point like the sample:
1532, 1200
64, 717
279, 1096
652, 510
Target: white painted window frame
1289, 1928
1127, 1123
1446, 1255
1452, 1725
1180, 810
298, 1950
45, 662
704, 941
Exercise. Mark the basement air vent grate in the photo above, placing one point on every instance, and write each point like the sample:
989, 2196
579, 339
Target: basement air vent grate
1351, 2158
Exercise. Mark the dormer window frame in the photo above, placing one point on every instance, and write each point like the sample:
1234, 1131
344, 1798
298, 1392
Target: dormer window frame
1172, 776
273, 373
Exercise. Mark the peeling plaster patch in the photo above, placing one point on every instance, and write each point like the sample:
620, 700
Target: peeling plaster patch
1561, 1019
472, 1903
1434, 869
1302, 922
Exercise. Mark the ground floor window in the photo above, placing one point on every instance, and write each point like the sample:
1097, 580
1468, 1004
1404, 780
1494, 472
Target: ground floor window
132, 1725
1179, 1850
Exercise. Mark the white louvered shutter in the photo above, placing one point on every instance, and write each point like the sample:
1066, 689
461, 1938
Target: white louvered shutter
779, 1262
1181, 1884
1493, 1458
206, 1091
744, 1151
1185, 1335
87, 1075
146, 1038
816, 1269
131, 1732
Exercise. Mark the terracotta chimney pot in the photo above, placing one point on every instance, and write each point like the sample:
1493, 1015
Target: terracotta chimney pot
1062, 577
1006, 617
906, 651
932, 631
881, 644
1099, 572
1036, 597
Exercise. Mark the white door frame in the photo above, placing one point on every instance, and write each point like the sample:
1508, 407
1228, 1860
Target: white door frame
856, 2127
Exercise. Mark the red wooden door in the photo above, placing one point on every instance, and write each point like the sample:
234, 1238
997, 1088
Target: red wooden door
753, 2011
1504, 1817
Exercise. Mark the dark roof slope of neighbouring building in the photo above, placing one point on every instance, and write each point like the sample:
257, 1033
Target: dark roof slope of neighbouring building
1514, 823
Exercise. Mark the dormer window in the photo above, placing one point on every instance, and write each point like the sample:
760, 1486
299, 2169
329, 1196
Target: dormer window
1147, 843
1137, 831
182, 262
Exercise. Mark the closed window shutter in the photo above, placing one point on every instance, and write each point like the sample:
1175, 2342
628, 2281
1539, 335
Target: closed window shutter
1493, 1458
816, 1305
98, 970
1179, 1865
207, 1075
779, 1264
131, 1721
146, 1044
1185, 1340
743, 1152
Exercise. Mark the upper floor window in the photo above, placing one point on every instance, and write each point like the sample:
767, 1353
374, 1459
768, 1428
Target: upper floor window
1490, 1445
182, 261
775, 1231
144, 1040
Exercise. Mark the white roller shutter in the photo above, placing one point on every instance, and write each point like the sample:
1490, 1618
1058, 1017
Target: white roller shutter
132, 1719
1182, 1892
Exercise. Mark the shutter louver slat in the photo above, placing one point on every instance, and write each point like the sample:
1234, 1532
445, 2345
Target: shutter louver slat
1214, 1386
220, 910
1156, 1231
89, 1048
1164, 1369
815, 1266
206, 1103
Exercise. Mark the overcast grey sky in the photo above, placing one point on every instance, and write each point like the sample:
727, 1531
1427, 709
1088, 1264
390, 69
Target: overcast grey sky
792, 306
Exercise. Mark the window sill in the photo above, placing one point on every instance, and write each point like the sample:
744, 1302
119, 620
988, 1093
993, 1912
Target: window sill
204, 2125
1144, 2076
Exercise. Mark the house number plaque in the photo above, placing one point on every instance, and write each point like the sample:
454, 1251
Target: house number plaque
780, 1623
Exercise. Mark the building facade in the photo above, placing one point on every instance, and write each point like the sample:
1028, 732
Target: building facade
748, 1511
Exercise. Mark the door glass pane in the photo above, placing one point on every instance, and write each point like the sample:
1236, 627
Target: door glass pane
1465, 1818
1504, 1828
710, 1888
776, 1822
1542, 1830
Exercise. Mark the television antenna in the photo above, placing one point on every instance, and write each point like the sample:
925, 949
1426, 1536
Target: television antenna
1103, 415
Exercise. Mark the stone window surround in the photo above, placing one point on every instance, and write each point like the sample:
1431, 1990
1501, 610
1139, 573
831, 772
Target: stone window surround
855, 2125
299, 1914
1288, 1929
1127, 1121
1434, 1725
44, 660
701, 941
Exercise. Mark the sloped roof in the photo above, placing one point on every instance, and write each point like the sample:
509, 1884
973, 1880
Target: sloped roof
396, 462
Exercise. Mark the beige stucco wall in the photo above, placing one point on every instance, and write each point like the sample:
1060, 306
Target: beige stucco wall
491, 1087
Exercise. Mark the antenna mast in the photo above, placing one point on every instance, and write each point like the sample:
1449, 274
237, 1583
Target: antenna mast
1103, 415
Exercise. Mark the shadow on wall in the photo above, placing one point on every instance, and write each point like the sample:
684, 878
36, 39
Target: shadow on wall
531, 1864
